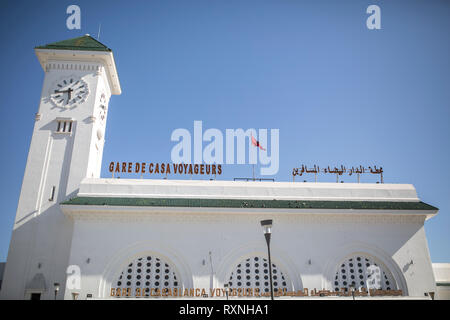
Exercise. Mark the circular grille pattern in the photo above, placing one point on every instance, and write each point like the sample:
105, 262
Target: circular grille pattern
147, 273
363, 272
253, 273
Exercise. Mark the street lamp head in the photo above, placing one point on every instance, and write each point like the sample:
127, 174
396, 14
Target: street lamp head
267, 226
56, 285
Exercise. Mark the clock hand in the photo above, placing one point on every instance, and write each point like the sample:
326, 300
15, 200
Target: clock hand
62, 91
69, 91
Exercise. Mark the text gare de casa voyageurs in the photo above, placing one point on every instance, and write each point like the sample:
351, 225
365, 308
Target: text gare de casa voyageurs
164, 168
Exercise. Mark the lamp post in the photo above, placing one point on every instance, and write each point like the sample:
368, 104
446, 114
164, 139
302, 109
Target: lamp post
56, 286
267, 227
226, 289
352, 288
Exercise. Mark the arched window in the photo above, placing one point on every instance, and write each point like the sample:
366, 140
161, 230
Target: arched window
253, 273
363, 272
147, 273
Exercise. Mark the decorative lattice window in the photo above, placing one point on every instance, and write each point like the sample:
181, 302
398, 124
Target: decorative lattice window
363, 272
147, 273
253, 273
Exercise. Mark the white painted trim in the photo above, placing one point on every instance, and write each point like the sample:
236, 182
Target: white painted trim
83, 56
74, 210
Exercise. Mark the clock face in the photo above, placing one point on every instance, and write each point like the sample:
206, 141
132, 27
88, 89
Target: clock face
69, 92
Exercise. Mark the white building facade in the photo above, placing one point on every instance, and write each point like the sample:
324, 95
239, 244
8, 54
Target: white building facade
442, 277
99, 238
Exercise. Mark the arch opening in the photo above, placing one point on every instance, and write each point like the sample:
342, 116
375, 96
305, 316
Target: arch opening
253, 273
145, 276
363, 271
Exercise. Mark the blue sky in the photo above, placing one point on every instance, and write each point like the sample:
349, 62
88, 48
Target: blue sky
338, 92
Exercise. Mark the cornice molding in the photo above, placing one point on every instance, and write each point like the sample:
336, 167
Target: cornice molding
131, 215
74, 65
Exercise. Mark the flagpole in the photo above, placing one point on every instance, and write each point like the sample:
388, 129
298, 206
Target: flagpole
257, 145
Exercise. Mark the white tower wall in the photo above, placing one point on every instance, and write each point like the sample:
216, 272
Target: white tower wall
56, 164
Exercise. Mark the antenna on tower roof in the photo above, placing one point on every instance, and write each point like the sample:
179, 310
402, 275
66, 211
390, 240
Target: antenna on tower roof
99, 28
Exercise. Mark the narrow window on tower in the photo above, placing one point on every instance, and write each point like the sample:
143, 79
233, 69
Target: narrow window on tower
64, 125
52, 194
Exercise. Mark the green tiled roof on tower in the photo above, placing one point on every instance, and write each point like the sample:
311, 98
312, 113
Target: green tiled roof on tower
85, 43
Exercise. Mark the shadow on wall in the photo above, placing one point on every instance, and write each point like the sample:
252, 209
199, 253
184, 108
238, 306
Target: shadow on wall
44, 238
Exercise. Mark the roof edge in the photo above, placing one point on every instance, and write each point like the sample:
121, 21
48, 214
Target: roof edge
249, 203
76, 44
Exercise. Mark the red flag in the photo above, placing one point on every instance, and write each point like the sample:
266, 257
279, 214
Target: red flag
256, 143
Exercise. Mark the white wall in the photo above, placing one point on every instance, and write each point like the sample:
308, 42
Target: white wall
442, 276
111, 239
42, 235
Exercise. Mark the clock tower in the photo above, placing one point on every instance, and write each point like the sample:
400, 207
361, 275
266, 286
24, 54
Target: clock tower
66, 146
